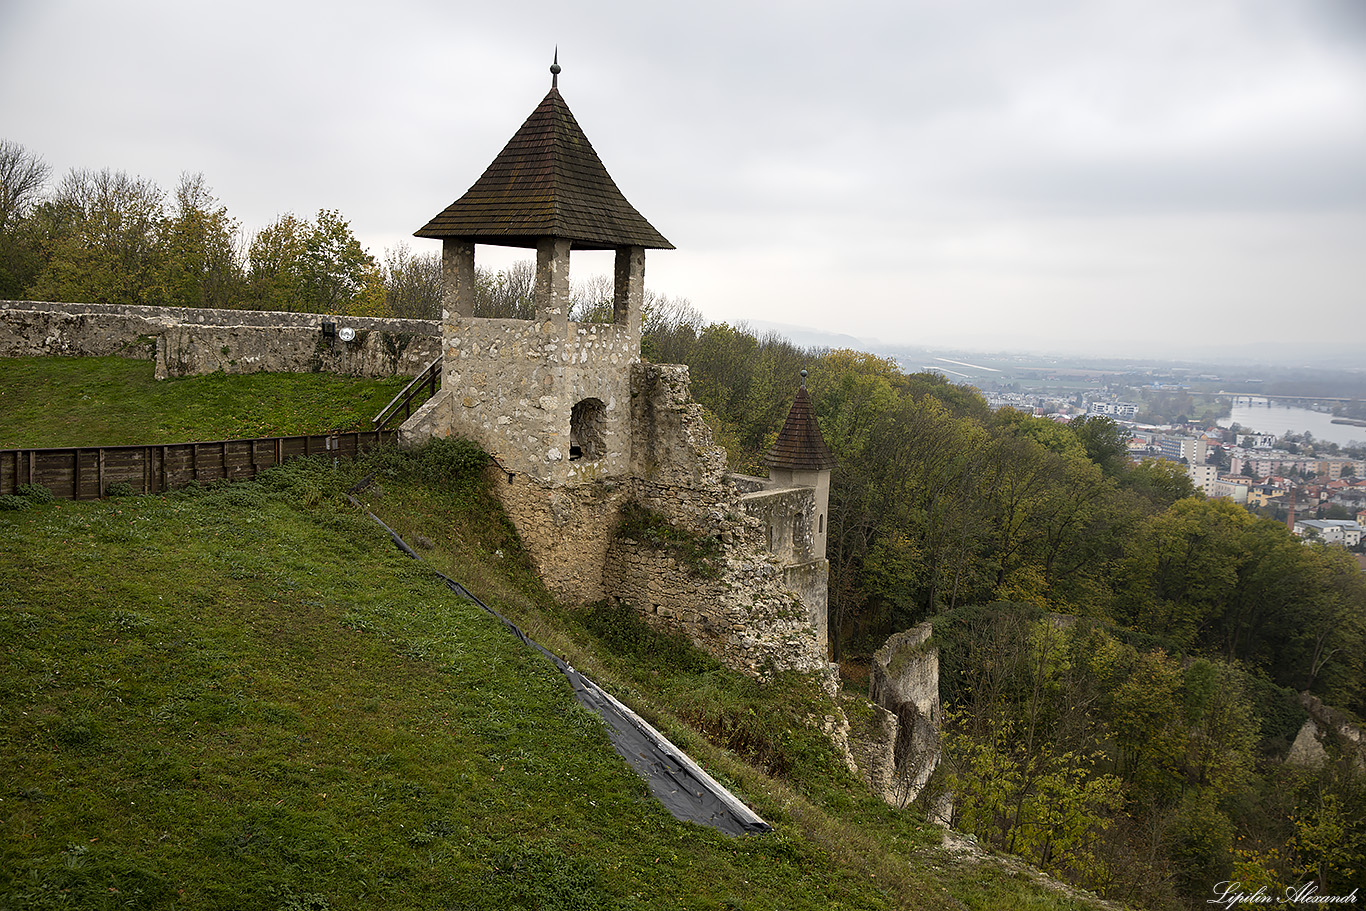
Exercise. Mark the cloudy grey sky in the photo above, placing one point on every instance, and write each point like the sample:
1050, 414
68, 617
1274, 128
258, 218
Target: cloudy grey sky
1104, 176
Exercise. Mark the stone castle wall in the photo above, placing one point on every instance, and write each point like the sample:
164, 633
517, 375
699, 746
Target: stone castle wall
785, 516
567, 531
747, 616
750, 614
188, 341
760, 608
513, 385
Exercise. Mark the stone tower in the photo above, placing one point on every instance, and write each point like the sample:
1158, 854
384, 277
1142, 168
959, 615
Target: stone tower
547, 397
582, 429
800, 458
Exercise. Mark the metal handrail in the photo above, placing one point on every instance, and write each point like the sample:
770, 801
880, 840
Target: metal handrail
430, 376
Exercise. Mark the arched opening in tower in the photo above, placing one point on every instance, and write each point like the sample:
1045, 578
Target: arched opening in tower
587, 430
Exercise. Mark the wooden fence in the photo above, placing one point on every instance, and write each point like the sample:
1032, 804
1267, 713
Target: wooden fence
85, 472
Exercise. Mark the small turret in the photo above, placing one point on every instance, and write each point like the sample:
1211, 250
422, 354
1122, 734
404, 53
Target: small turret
800, 458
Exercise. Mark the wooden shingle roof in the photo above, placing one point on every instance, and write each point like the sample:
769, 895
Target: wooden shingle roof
547, 182
800, 446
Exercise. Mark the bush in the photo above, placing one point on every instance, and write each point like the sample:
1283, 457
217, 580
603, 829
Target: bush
453, 462
698, 552
119, 489
9, 502
622, 630
36, 493
453, 465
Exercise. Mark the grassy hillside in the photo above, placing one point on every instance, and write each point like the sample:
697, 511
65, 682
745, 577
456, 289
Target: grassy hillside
110, 401
244, 697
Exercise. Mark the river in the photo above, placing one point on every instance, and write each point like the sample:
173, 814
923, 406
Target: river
1283, 419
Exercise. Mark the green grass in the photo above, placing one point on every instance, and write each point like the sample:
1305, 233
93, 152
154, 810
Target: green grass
244, 697
112, 401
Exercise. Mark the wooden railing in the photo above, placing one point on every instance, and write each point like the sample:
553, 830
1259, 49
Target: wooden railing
427, 381
85, 472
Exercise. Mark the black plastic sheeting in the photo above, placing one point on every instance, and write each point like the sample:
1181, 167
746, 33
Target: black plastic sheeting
677, 782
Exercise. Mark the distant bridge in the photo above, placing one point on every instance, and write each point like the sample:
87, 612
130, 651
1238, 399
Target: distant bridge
1251, 396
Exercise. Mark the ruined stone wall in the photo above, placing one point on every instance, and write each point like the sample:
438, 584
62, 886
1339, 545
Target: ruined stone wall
872, 746
786, 516
1326, 724
758, 611
513, 385
754, 614
747, 616
186, 341
811, 581
904, 682
567, 531
671, 444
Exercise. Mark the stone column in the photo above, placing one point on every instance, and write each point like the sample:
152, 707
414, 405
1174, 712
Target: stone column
457, 277
629, 293
552, 280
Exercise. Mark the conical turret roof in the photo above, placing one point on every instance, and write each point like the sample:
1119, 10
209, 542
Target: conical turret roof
800, 446
547, 182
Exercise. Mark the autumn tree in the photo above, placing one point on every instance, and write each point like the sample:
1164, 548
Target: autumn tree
412, 283
317, 267
102, 240
1181, 568
339, 276
276, 259
203, 263
23, 176
1105, 442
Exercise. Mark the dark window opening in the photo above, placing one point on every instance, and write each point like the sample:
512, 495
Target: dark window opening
588, 430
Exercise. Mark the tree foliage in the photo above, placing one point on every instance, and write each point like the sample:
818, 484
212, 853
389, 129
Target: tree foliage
1116, 723
203, 264
939, 503
102, 240
314, 266
22, 178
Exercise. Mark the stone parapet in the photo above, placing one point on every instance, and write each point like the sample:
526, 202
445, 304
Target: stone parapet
187, 341
785, 514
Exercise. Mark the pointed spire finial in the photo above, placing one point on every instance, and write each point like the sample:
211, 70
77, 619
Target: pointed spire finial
803, 376
555, 69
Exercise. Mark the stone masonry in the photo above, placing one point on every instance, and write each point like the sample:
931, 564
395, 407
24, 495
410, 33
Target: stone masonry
763, 612
192, 341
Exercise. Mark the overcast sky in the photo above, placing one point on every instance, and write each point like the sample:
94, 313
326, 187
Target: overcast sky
1102, 176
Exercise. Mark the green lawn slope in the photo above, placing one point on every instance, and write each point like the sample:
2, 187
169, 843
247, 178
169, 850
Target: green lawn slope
243, 697
110, 401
